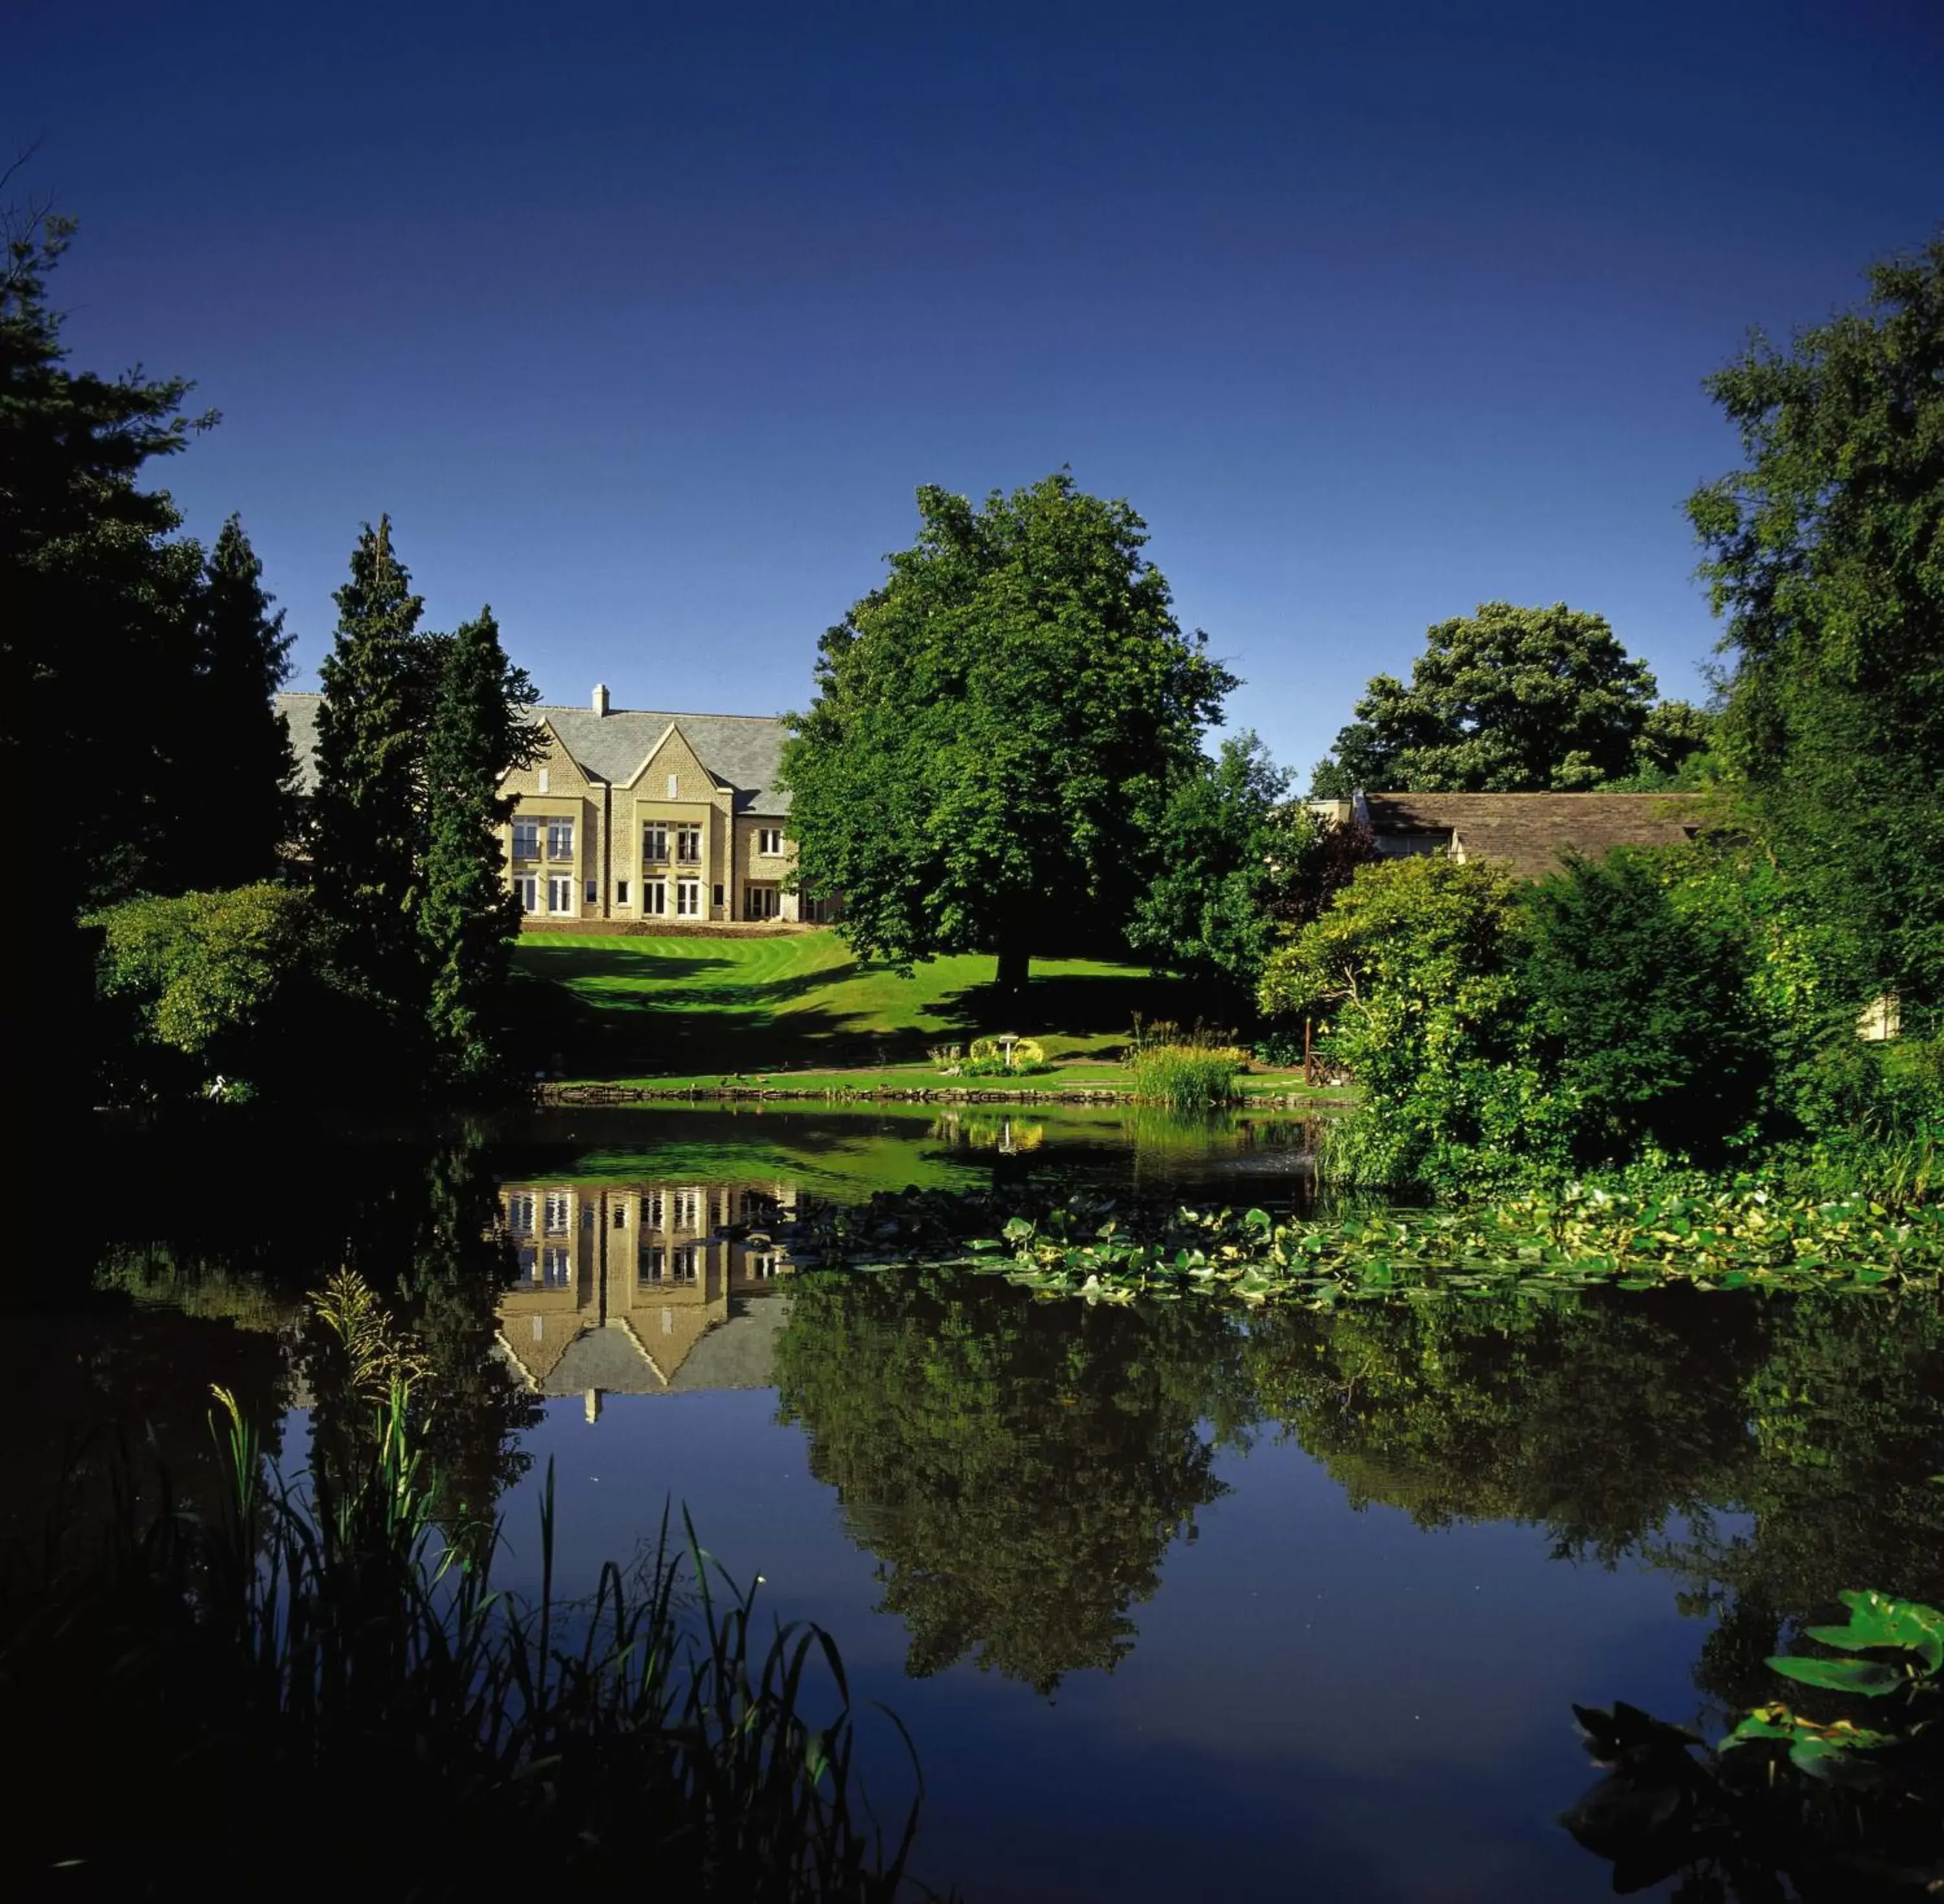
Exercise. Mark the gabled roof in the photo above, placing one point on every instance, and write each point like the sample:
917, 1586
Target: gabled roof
1527, 831
742, 751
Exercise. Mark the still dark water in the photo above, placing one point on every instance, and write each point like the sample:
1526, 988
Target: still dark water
1173, 1604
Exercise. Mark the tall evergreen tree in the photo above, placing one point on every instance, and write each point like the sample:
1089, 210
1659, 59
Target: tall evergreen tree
91, 654
244, 785
367, 815
467, 916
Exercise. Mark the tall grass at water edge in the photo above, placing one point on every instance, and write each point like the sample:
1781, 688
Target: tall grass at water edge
309, 1690
1186, 1077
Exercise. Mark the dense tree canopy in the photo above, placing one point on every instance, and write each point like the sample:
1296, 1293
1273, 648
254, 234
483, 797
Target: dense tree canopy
997, 731
1239, 865
1512, 700
1825, 551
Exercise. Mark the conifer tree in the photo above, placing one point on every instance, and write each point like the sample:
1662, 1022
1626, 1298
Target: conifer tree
246, 768
467, 917
368, 813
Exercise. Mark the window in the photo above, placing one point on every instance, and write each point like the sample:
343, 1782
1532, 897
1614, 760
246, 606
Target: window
620, 892
556, 1266
651, 1209
688, 844
520, 1215
620, 1216
593, 891
688, 1209
526, 839
560, 895
761, 902
527, 1260
718, 895
654, 897
770, 841
560, 839
814, 911
688, 898
762, 1268
653, 1263
559, 1205
543, 780
654, 843
675, 786
526, 890
681, 1265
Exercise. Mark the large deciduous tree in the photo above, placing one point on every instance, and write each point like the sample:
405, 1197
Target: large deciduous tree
367, 815
1510, 700
997, 731
467, 916
1825, 552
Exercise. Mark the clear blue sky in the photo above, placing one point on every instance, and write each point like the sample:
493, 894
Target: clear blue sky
645, 322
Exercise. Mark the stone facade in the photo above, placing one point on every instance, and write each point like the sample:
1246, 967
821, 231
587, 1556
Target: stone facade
637, 818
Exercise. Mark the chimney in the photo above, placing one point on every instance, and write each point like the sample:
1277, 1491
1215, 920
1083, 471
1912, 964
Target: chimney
601, 697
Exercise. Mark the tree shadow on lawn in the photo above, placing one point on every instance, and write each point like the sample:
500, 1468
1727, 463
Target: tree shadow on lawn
594, 1012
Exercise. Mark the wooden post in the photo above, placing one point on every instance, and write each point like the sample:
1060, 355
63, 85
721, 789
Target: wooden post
1309, 1078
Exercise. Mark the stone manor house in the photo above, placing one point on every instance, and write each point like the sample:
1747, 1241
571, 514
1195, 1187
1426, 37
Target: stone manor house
634, 815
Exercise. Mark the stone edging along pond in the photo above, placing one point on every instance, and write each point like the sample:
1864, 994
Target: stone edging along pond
586, 1094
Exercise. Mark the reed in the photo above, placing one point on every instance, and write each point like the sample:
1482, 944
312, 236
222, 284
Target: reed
1186, 1077
310, 1678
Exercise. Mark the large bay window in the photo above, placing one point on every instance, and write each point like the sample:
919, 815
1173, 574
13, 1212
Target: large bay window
526, 839
688, 844
560, 839
654, 843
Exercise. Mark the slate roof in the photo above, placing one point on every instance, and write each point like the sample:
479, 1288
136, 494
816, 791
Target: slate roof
744, 750
1527, 831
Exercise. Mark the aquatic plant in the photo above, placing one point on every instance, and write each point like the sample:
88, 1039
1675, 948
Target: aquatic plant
1835, 1807
317, 1637
1742, 1237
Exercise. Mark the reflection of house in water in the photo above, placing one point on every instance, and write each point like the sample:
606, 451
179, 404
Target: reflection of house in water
636, 1288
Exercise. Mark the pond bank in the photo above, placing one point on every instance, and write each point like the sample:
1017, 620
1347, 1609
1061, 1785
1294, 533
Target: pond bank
571, 1094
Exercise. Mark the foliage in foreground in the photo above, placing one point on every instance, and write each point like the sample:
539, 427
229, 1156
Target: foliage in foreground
1840, 1808
317, 1638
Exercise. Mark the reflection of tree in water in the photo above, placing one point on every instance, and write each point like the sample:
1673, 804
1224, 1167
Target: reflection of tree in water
420, 1225
1636, 1424
1018, 1468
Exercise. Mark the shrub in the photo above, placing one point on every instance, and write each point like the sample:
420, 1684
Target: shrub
1641, 1013
210, 980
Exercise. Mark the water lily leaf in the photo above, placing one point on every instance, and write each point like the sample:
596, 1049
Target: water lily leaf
1865, 1676
1876, 1620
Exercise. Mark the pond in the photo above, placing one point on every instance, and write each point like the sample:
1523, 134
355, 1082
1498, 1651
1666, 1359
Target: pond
1172, 1601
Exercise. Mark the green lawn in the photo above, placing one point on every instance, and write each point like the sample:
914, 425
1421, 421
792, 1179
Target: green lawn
702, 1010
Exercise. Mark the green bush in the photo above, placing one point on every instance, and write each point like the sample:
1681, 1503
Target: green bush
213, 983
1642, 1013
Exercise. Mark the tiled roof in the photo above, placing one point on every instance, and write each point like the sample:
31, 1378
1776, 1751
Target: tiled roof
745, 750
1527, 831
